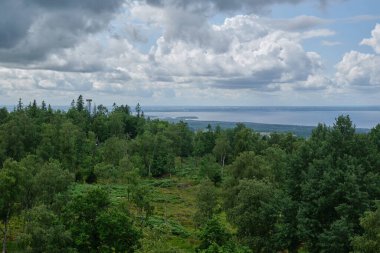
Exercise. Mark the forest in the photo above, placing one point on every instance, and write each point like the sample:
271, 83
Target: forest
114, 180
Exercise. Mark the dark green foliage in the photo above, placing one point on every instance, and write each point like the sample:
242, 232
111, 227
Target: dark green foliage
95, 225
204, 142
45, 233
333, 179
80, 103
116, 231
255, 207
12, 190
181, 137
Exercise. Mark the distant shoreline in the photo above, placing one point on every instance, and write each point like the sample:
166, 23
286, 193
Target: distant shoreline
298, 130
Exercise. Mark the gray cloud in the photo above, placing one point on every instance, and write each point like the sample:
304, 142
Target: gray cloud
219, 5
300, 23
31, 29
230, 5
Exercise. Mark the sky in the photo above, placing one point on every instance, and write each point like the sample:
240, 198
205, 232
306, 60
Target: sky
198, 52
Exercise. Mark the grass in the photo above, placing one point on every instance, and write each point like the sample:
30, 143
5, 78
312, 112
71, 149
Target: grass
171, 227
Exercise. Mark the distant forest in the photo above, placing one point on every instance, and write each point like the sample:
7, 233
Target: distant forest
117, 181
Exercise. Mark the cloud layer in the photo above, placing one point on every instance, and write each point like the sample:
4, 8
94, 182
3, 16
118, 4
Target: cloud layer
171, 48
32, 29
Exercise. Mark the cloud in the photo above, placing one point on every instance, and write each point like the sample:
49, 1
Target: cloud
256, 56
358, 69
156, 48
374, 41
228, 5
299, 23
361, 70
31, 29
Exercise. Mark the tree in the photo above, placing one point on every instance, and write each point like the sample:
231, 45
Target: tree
181, 137
369, 241
116, 231
12, 189
213, 233
210, 169
52, 179
255, 211
105, 172
215, 238
244, 139
49, 146
113, 150
221, 149
251, 166
45, 233
138, 110
204, 142
97, 226
80, 104
156, 153
116, 124
206, 202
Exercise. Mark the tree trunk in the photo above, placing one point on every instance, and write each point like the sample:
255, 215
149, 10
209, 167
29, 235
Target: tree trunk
223, 159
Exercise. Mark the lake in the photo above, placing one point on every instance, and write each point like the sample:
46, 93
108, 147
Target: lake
362, 117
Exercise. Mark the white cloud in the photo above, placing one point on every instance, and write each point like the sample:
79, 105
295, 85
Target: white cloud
358, 69
373, 42
256, 56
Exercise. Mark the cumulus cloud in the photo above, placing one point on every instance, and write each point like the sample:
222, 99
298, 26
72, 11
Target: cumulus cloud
358, 69
373, 42
256, 56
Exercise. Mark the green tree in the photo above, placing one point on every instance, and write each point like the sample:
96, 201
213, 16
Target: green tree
206, 203
222, 148
117, 232
369, 241
45, 233
249, 165
96, 226
212, 233
256, 211
12, 190
215, 238
113, 150
51, 180
181, 138
210, 169
80, 103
